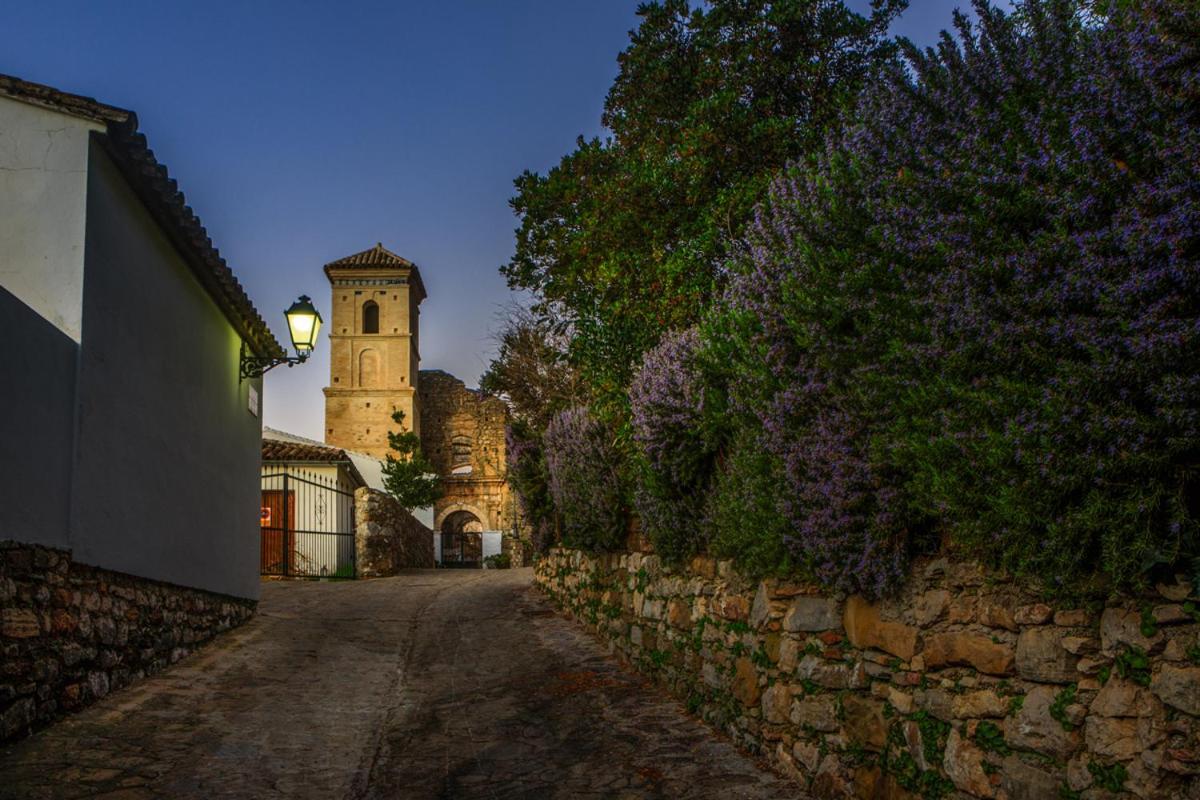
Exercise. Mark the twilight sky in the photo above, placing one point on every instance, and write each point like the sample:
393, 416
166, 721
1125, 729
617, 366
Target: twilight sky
301, 132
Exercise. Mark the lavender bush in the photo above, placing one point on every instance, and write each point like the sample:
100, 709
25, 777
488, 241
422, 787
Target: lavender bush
584, 480
666, 398
976, 315
667, 403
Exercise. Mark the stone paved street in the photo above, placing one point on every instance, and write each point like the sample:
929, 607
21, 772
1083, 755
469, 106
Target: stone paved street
435, 684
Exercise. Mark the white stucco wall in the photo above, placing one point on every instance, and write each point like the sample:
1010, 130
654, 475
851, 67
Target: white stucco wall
492, 543
43, 199
166, 477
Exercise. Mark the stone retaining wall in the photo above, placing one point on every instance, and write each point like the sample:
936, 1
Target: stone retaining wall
962, 687
70, 634
386, 537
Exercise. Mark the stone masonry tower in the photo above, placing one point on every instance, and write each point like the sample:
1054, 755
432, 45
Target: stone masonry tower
373, 350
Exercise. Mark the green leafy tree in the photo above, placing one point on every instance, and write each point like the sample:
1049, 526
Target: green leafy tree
624, 238
409, 476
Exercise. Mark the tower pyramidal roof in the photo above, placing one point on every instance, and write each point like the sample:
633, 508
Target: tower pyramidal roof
377, 256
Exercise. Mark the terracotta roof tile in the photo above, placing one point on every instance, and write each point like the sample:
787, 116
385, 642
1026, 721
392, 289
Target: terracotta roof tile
276, 450
377, 256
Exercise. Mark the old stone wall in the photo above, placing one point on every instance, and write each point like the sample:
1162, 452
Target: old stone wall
386, 537
462, 435
520, 551
964, 686
71, 634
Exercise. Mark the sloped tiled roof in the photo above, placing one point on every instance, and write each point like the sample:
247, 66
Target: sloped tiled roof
165, 202
377, 256
278, 446
294, 451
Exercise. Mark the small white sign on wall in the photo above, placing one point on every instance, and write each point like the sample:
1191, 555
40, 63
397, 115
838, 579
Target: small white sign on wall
253, 403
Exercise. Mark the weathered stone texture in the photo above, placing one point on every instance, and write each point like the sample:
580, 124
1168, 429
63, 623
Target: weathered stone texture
974, 650
865, 629
963, 680
386, 537
71, 634
1041, 656
462, 435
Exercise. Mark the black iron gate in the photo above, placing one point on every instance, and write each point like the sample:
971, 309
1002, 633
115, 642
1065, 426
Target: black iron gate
306, 525
463, 549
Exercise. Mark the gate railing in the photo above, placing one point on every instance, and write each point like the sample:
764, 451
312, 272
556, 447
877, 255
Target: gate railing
462, 549
306, 525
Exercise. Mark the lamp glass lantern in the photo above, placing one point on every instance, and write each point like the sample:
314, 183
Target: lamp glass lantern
304, 323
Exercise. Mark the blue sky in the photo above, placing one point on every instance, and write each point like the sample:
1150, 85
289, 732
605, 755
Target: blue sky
302, 131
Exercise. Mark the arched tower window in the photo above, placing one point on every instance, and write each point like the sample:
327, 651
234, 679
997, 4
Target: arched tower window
370, 317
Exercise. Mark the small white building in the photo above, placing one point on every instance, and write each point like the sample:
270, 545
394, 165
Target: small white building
306, 522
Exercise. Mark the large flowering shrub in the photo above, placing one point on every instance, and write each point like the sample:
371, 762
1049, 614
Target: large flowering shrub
667, 403
584, 479
978, 313
666, 399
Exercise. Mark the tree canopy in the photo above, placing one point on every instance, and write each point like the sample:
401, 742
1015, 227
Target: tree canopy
625, 237
408, 476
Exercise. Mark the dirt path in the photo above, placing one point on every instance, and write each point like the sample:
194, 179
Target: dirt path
434, 684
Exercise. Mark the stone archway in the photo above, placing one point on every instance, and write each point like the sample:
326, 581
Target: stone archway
462, 522
454, 508
461, 534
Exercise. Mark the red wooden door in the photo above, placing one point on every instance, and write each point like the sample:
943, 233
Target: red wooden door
278, 531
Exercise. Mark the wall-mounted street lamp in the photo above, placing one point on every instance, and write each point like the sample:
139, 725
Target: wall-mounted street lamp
304, 323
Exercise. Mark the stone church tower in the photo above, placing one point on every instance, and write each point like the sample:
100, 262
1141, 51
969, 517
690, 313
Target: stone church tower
373, 346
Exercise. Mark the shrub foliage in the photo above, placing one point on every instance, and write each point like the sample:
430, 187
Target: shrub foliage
967, 314
583, 468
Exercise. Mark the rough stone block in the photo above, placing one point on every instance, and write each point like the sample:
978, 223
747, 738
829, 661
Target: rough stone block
864, 628
995, 615
864, 723
963, 764
832, 674
1120, 698
1112, 737
745, 683
1041, 657
1033, 727
818, 712
1036, 614
1178, 687
777, 703
761, 609
1022, 781
930, 606
812, 614
1120, 626
679, 614
984, 703
980, 652
732, 606
1073, 618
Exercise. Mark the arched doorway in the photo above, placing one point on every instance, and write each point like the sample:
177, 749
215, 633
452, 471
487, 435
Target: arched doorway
462, 540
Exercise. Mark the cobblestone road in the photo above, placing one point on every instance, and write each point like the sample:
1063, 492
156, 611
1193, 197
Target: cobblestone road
436, 684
